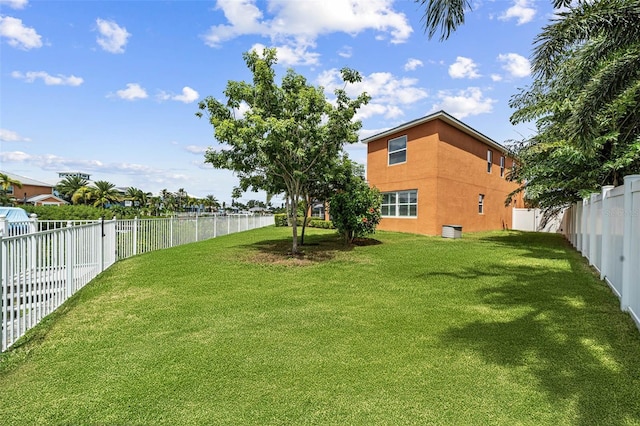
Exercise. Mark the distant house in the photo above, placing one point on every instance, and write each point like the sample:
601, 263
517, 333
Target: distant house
33, 191
437, 171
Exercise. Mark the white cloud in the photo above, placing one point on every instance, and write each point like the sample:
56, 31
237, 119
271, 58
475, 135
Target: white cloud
196, 149
516, 65
112, 37
188, 95
11, 136
388, 93
464, 103
293, 55
14, 4
496, 77
19, 36
521, 10
463, 68
297, 24
49, 80
345, 52
132, 92
412, 64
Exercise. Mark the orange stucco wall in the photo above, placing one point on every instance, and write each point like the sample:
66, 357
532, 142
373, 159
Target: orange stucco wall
449, 169
31, 191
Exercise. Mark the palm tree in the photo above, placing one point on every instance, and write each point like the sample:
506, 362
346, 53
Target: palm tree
211, 203
84, 195
7, 183
585, 101
445, 16
69, 185
105, 193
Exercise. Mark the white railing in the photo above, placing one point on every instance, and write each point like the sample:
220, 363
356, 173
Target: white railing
41, 270
605, 228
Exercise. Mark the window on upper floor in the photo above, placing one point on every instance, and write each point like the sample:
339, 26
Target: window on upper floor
502, 162
481, 204
400, 204
397, 150
9, 190
489, 160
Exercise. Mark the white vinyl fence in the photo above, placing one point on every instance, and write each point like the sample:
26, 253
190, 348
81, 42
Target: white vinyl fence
605, 228
40, 270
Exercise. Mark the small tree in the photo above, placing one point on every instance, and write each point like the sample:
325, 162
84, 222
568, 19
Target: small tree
286, 132
356, 210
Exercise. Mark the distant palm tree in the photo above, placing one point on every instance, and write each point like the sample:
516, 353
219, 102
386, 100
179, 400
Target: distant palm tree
137, 196
211, 203
105, 193
68, 186
7, 183
83, 195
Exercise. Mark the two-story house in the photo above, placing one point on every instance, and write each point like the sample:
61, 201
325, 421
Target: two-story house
437, 171
32, 191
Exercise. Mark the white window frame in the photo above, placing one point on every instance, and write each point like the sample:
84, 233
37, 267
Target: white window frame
397, 205
502, 165
489, 160
395, 151
480, 203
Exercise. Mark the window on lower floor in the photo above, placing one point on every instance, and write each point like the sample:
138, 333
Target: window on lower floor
318, 211
400, 204
481, 203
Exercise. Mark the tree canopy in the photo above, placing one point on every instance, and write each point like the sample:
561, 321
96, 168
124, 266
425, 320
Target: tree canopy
585, 101
286, 131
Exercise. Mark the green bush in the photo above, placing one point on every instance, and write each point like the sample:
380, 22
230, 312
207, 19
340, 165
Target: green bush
280, 219
299, 220
77, 212
356, 211
320, 223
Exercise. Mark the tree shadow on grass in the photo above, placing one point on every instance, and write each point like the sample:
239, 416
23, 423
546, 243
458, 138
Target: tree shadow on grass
316, 249
562, 325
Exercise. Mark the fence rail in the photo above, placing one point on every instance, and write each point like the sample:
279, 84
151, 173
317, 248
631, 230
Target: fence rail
605, 228
40, 270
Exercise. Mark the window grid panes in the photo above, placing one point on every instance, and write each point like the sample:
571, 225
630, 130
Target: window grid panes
397, 150
400, 204
502, 166
481, 203
489, 160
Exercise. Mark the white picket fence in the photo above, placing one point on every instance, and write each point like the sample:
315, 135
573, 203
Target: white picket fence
605, 228
39, 270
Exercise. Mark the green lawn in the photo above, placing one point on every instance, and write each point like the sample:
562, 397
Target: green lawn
500, 328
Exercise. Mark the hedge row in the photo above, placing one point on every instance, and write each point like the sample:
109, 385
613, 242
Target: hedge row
281, 220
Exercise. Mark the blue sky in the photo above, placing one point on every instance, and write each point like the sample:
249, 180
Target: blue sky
111, 88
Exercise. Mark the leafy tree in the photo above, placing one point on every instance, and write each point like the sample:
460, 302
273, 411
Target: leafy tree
286, 132
69, 185
104, 193
585, 102
356, 210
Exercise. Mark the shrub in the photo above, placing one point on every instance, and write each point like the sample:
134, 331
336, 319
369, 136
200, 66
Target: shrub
280, 219
320, 223
356, 211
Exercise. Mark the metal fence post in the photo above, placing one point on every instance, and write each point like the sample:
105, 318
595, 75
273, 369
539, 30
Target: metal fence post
69, 257
33, 223
135, 235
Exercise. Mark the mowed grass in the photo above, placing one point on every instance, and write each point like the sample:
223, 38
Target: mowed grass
501, 328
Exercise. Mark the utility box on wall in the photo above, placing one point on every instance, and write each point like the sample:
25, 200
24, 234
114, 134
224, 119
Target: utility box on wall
451, 231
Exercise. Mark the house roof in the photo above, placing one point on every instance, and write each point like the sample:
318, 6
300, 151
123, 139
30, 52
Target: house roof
42, 197
26, 181
445, 117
